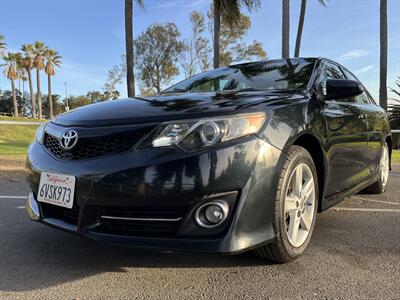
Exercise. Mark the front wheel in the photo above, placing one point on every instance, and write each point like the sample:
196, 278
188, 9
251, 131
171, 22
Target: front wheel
295, 207
384, 165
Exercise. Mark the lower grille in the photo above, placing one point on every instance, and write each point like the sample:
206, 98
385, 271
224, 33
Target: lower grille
61, 213
149, 222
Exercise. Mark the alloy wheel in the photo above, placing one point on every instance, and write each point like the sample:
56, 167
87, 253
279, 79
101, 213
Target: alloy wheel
384, 164
299, 204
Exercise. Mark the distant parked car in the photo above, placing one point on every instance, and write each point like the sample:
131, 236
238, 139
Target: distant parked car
242, 157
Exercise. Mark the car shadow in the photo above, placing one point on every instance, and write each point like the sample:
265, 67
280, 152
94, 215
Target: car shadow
43, 257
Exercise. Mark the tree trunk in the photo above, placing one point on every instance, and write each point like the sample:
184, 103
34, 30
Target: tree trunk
14, 95
31, 92
158, 87
285, 28
300, 28
130, 79
383, 55
217, 28
39, 95
49, 96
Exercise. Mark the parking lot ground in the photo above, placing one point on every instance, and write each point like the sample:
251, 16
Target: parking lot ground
354, 253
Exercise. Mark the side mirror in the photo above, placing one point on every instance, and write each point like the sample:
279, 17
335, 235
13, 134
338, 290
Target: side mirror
342, 88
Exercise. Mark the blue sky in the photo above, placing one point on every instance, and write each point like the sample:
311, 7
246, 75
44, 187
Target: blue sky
89, 34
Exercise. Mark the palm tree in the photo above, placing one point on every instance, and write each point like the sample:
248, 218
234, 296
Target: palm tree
3, 46
301, 24
130, 76
383, 55
230, 11
28, 64
10, 72
285, 28
53, 59
39, 51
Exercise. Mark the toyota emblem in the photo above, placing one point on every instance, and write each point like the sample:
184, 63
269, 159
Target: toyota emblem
69, 138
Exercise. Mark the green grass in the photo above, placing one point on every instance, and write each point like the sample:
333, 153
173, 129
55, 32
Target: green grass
396, 156
14, 139
3, 118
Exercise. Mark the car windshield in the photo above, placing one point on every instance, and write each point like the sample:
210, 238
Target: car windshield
291, 74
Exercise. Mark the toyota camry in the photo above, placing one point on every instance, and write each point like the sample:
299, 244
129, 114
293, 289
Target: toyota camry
238, 158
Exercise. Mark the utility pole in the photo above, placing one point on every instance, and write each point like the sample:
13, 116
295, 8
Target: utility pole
66, 98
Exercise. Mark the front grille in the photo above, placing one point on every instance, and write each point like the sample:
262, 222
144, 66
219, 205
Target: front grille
141, 228
91, 147
69, 215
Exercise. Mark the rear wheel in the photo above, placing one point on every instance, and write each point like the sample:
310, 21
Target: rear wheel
295, 207
380, 185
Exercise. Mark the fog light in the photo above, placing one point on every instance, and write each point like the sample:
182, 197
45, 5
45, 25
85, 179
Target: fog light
211, 214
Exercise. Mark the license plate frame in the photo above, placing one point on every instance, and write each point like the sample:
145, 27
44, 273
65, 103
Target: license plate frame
57, 189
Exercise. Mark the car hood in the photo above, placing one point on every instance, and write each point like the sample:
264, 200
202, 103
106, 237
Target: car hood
158, 109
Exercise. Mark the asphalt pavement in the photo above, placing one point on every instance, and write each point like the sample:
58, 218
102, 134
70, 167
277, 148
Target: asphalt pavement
354, 253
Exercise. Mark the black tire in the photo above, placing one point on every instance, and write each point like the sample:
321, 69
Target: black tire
379, 186
281, 250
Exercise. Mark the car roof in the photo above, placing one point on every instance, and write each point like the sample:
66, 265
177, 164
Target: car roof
293, 59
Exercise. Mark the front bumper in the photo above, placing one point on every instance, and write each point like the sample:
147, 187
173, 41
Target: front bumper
154, 183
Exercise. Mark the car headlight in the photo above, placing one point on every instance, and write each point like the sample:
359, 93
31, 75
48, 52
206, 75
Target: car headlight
199, 133
39, 135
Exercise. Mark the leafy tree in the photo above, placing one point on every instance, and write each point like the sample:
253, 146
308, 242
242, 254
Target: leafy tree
111, 95
98, 96
10, 71
394, 114
130, 78
157, 51
232, 45
202, 47
39, 51
28, 63
188, 59
229, 11
114, 77
7, 102
53, 59
78, 101
57, 103
301, 24
383, 55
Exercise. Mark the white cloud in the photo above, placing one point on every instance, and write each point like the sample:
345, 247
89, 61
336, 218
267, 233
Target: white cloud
80, 77
364, 69
353, 54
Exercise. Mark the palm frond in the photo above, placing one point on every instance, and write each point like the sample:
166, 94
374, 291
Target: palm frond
140, 3
323, 2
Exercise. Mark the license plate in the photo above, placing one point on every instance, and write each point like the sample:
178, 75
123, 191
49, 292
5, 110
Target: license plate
57, 189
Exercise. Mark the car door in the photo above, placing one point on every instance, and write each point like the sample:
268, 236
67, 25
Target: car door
346, 138
376, 122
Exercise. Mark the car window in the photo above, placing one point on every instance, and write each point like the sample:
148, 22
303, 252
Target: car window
362, 98
331, 71
290, 74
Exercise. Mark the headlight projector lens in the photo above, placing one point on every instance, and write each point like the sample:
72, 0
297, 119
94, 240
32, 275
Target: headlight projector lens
211, 214
210, 133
